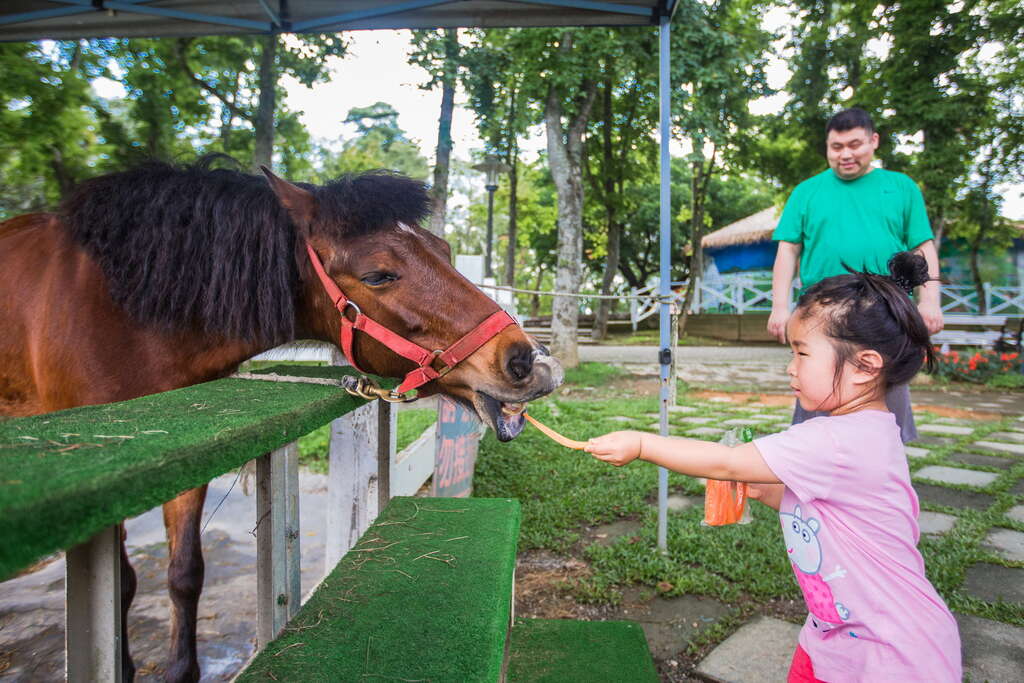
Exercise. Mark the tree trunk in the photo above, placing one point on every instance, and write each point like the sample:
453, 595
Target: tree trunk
513, 212
61, 173
611, 265
535, 300
263, 151
439, 192
699, 185
564, 147
979, 287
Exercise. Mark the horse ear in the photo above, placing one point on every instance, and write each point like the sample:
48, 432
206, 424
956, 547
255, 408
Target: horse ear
300, 203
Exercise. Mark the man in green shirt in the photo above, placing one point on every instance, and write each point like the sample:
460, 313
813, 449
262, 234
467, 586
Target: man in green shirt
853, 214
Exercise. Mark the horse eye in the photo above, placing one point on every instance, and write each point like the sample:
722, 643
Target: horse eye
377, 278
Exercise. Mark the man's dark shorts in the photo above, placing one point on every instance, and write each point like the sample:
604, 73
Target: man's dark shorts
897, 399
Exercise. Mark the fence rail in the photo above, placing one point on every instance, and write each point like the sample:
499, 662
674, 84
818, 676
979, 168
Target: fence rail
739, 294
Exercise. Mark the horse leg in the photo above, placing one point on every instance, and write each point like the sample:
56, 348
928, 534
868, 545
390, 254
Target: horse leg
184, 581
128, 585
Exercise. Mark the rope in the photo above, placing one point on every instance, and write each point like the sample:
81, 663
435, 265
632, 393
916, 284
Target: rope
578, 295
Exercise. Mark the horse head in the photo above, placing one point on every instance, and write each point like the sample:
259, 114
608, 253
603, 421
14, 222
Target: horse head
400, 275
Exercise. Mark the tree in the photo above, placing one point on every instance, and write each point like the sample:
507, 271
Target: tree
493, 79
438, 54
379, 143
621, 148
721, 72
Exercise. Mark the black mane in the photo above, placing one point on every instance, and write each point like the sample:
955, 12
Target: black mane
195, 246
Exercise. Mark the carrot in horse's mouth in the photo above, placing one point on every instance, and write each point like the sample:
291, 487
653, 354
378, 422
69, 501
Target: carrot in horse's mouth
555, 436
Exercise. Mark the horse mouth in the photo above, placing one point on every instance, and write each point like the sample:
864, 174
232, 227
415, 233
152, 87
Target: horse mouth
506, 418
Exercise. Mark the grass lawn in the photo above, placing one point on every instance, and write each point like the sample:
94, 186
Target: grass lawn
563, 492
411, 423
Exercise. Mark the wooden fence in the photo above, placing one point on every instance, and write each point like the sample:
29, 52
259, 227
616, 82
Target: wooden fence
70, 478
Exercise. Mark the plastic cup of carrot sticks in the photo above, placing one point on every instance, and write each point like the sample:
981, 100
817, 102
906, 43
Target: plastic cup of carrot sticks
725, 502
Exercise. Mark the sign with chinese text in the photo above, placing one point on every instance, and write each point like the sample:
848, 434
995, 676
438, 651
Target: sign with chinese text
458, 434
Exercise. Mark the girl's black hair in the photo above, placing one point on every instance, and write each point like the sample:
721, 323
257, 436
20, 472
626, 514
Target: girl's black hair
868, 311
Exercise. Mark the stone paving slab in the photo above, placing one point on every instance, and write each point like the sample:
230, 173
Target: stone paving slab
759, 652
620, 418
670, 623
1015, 448
930, 440
1007, 436
944, 429
935, 522
681, 409
994, 582
1018, 488
741, 422
1016, 513
956, 475
1007, 543
940, 495
916, 452
678, 502
695, 420
992, 651
705, 431
984, 460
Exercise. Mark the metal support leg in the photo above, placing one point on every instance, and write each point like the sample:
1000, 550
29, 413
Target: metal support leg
278, 581
93, 608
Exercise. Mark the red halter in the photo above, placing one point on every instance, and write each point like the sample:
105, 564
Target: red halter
423, 358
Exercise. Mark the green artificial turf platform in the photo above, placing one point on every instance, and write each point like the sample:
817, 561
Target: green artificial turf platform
67, 475
561, 650
424, 596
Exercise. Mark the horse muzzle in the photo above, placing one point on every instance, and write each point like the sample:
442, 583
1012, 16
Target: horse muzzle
502, 408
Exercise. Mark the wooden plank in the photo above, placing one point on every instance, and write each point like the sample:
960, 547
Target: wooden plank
414, 465
358, 483
92, 637
278, 588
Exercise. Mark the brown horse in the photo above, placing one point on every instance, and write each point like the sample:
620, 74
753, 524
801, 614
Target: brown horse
163, 277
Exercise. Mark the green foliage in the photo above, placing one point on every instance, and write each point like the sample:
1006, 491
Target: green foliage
380, 143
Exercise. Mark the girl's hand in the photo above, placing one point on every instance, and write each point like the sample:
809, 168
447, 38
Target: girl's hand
617, 448
769, 494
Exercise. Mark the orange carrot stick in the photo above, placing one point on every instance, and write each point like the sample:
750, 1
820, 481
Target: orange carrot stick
555, 436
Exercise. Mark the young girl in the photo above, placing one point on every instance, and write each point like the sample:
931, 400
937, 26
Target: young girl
841, 484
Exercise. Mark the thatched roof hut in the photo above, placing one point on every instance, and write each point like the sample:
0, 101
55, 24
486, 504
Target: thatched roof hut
749, 230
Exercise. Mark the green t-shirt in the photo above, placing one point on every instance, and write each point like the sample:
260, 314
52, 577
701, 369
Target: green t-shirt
860, 223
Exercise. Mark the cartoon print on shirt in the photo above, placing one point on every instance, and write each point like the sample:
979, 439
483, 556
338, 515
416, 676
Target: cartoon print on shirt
804, 550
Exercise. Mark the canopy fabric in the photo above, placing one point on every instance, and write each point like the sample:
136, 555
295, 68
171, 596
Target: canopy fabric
22, 20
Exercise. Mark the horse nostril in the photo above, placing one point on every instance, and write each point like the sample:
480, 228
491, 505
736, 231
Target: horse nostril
520, 363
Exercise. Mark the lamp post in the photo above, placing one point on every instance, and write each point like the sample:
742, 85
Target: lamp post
492, 166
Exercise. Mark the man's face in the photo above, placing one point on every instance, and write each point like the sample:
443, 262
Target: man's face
850, 152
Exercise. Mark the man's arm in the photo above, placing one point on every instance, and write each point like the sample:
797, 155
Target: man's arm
786, 259
928, 294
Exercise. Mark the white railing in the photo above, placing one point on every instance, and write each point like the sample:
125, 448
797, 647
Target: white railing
742, 293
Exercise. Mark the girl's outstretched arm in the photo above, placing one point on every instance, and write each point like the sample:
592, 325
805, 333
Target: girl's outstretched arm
686, 456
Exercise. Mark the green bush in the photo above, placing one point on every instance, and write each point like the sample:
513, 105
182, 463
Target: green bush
1007, 381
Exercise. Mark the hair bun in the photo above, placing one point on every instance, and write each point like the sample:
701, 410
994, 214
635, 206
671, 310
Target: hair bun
908, 270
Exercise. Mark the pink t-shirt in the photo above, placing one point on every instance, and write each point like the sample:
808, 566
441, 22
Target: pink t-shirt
849, 520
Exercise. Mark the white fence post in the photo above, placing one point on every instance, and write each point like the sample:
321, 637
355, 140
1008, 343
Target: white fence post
359, 481
278, 587
92, 631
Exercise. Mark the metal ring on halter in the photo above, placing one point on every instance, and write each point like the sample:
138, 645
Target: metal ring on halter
354, 305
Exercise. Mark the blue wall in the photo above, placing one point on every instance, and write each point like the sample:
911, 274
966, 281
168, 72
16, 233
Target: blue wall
741, 257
